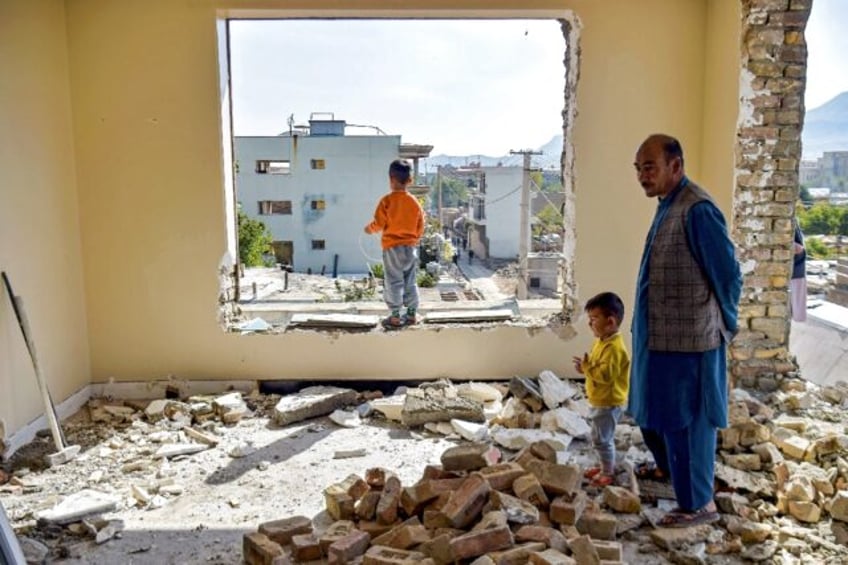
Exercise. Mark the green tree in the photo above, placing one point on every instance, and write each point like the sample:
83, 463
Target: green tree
548, 220
821, 219
816, 248
254, 241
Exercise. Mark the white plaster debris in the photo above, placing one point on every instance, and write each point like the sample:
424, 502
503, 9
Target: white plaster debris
518, 438
390, 407
566, 420
470, 431
346, 419
481, 392
555, 391
78, 505
175, 449
441, 428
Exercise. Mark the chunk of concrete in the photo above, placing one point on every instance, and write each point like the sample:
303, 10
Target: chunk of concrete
424, 405
312, 402
83, 503
554, 390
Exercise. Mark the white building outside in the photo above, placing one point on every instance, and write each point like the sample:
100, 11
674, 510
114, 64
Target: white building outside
315, 193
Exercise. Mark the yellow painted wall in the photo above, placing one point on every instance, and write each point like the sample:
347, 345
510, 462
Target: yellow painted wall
146, 116
39, 225
721, 101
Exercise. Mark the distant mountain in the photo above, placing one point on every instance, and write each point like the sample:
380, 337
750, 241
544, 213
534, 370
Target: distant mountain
550, 158
826, 128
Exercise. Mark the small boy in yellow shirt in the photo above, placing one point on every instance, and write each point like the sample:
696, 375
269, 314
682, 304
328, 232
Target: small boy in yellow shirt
607, 371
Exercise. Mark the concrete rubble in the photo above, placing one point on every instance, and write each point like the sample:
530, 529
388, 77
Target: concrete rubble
510, 490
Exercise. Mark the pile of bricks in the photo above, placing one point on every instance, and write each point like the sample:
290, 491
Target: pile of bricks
470, 509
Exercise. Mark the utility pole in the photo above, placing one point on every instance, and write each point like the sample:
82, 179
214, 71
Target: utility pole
439, 188
524, 226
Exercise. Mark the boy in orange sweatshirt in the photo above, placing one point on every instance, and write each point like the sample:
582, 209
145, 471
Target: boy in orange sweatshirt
607, 370
401, 219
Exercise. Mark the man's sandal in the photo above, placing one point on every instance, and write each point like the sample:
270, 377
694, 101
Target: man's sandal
649, 472
602, 481
591, 472
679, 518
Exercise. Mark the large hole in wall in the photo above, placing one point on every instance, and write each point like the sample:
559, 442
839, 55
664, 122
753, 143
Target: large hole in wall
320, 107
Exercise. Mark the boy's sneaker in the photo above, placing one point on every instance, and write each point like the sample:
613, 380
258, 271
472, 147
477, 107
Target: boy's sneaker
392, 322
409, 319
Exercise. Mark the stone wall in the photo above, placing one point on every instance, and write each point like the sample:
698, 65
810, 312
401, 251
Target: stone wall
768, 152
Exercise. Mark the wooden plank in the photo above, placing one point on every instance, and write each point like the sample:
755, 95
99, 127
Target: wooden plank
334, 320
468, 316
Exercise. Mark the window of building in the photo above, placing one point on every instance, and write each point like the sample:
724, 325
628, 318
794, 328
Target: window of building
478, 208
264, 167
274, 207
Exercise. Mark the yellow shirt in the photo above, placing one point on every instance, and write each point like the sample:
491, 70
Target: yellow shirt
607, 372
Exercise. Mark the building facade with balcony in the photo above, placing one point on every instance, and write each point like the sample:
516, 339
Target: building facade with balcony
315, 189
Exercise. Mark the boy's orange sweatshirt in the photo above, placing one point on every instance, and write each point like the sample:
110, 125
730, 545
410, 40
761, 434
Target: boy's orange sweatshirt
400, 217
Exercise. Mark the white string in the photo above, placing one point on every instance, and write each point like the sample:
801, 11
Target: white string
365, 254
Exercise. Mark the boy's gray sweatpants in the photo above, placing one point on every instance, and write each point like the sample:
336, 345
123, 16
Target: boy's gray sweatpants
604, 420
400, 272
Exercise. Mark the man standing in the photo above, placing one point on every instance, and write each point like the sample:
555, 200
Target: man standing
685, 313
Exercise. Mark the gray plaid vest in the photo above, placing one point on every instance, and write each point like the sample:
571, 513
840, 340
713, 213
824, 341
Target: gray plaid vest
683, 313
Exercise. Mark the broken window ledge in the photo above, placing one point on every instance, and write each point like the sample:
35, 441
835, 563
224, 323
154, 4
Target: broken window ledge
527, 313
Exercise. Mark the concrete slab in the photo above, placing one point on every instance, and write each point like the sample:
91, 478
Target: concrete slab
469, 316
821, 343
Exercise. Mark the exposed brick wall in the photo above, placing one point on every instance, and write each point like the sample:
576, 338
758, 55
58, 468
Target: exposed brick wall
768, 151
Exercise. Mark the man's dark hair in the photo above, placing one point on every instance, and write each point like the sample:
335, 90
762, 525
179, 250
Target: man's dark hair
609, 303
671, 148
400, 170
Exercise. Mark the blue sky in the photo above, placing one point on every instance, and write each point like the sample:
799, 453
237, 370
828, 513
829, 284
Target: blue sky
466, 87
827, 45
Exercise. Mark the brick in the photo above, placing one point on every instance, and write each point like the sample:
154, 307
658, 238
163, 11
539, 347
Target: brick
555, 479
387, 507
434, 519
491, 520
518, 555
477, 543
544, 451
622, 500
355, 486
366, 507
436, 472
413, 499
569, 531
405, 535
583, 550
281, 531
517, 511
336, 531
258, 549
374, 528
375, 477
502, 475
552, 538
565, 511
608, 550
339, 504
527, 487
599, 525
438, 549
466, 503
551, 557
305, 547
379, 555
470, 457
349, 547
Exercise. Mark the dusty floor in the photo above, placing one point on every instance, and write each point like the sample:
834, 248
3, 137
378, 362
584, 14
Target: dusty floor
260, 472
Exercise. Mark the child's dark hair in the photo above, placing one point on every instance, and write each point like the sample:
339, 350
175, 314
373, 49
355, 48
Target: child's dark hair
609, 303
400, 170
